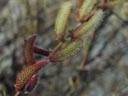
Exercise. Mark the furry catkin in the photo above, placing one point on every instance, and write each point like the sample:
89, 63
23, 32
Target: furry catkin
65, 51
62, 19
89, 26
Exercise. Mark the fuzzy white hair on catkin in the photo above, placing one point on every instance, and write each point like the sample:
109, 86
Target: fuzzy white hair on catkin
92, 24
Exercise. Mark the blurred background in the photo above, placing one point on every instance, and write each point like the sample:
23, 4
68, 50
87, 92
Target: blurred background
99, 69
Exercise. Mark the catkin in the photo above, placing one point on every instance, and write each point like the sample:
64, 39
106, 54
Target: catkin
28, 50
89, 26
62, 19
65, 51
86, 8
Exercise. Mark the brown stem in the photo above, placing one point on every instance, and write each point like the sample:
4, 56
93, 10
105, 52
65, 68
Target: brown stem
88, 16
17, 93
86, 55
41, 51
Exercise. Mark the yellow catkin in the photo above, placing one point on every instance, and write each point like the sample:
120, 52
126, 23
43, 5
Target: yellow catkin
89, 26
65, 51
86, 8
115, 3
61, 19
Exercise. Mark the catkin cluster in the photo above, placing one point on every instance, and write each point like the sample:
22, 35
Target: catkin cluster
89, 16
